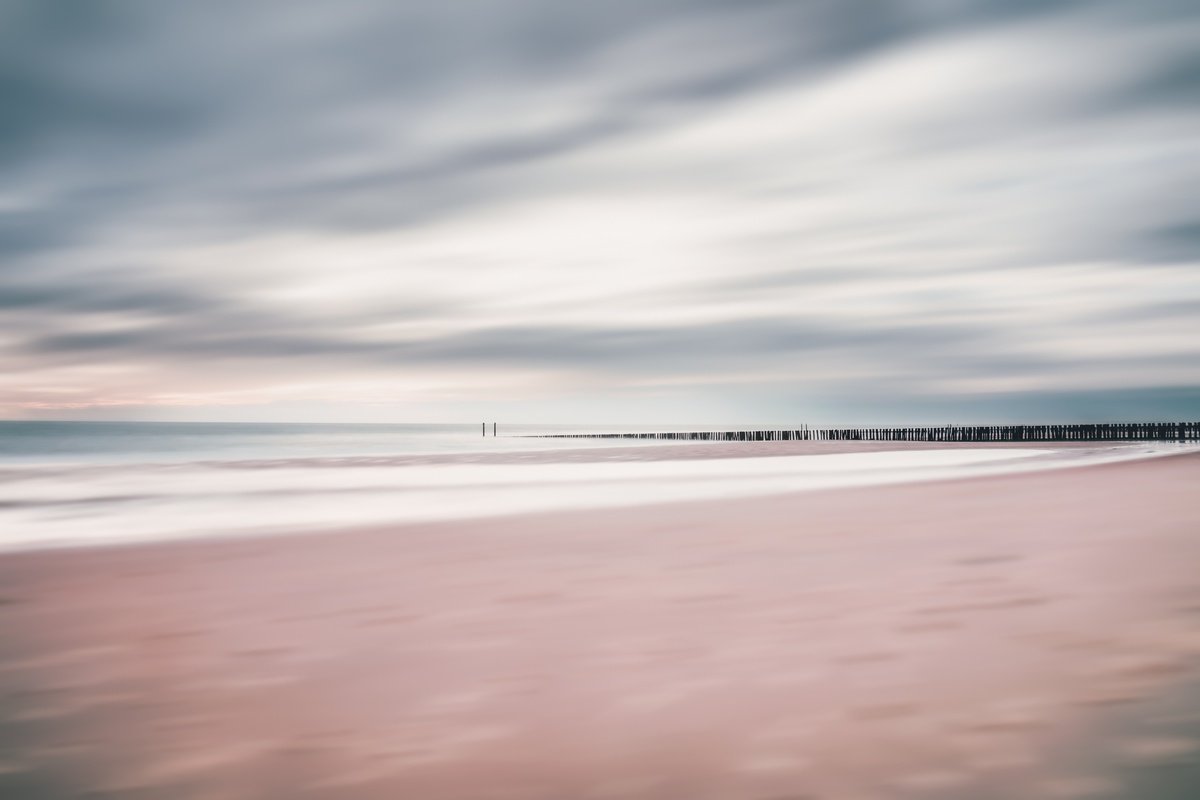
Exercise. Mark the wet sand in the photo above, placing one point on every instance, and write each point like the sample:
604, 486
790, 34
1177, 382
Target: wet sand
1018, 636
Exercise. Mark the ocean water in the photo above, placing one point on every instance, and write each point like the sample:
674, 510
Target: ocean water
70, 484
124, 442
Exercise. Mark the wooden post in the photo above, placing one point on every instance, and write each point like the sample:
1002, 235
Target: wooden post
1087, 431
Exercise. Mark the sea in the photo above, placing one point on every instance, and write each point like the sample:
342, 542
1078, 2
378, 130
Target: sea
41, 442
67, 484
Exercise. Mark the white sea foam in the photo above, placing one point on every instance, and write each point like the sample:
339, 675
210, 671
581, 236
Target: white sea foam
90, 505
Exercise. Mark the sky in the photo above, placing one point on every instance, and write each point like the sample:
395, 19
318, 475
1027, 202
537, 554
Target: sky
631, 211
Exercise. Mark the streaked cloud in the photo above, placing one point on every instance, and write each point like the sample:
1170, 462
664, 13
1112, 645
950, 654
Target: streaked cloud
560, 211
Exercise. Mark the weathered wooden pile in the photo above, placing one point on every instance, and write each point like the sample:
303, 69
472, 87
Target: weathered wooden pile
1100, 432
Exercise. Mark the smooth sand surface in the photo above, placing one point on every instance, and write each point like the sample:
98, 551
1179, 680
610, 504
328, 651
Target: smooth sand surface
1020, 636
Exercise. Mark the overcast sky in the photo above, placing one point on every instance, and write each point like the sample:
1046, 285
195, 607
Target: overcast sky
619, 211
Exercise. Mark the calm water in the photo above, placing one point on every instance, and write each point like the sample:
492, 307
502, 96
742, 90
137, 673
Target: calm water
72, 483
123, 442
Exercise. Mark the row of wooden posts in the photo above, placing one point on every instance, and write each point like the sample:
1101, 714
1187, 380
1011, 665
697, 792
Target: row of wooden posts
1102, 432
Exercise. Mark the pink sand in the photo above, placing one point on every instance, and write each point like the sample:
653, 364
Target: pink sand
1019, 636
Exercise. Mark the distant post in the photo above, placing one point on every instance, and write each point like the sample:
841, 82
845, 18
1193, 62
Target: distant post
493, 430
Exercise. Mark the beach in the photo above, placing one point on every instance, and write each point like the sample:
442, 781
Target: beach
1024, 634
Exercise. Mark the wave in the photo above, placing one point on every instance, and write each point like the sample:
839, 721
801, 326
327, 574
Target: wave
100, 504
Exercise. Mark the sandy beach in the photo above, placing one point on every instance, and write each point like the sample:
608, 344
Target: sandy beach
1029, 635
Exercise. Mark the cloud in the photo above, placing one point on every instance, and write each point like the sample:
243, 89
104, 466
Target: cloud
958, 194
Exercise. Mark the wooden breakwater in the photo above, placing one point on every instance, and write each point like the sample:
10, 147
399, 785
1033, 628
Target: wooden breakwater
1099, 432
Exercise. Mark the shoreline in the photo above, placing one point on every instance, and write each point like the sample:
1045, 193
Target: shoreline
66, 507
645, 451
1020, 635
